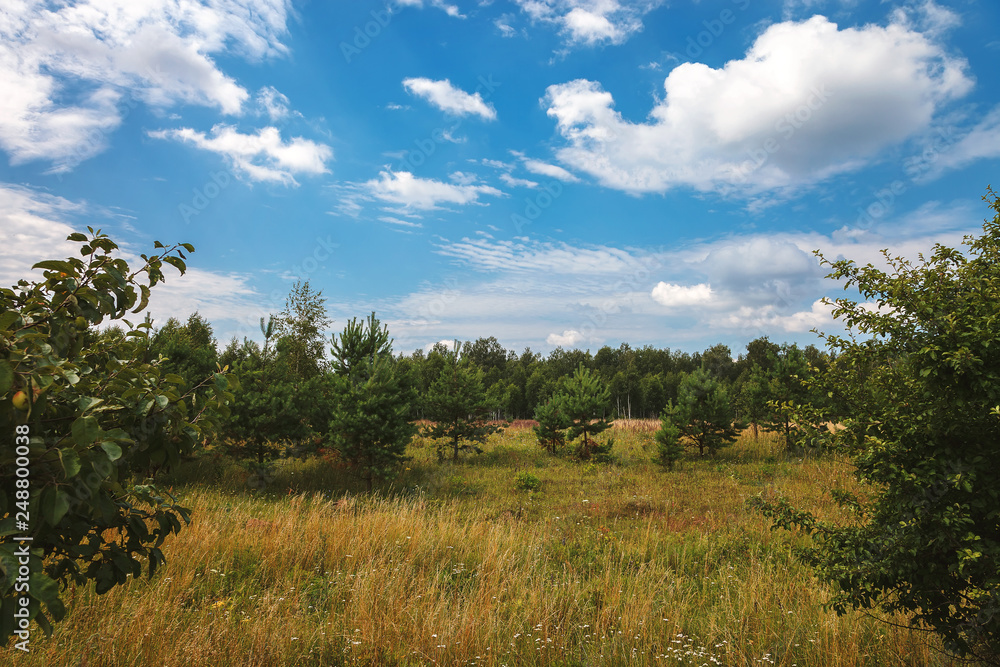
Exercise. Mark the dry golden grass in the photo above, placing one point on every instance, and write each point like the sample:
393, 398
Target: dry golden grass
617, 564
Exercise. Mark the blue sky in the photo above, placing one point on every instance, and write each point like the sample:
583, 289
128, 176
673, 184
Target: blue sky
551, 172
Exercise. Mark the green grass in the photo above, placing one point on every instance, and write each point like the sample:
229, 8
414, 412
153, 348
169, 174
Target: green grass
453, 564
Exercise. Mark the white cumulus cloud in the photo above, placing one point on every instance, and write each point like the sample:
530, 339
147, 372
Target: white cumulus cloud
591, 22
809, 100
671, 295
71, 71
567, 338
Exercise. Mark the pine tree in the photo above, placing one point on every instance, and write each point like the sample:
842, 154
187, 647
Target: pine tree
753, 398
370, 426
360, 345
584, 400
456, 402
269, 409
552, 425
703, 413
668, 442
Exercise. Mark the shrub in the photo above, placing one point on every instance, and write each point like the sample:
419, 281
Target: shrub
525, 481
915, 396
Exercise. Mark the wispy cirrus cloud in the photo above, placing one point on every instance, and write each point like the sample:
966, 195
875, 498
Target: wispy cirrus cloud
263, 156
450, 99
522, 256
450, 10
412, 192
529, 292
551, 170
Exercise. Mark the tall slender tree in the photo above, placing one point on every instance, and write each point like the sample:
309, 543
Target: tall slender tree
300, 328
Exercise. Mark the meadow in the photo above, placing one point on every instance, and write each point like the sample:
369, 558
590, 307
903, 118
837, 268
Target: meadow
512, 557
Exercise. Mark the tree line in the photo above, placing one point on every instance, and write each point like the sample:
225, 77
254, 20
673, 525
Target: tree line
290, 382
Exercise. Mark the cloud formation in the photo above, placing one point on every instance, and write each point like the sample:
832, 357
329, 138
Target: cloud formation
809, 100
450, 10
412, 192
263, 156
568, 338
34, 226
71, 72
551, 170
672, 296
450, 99
591, 22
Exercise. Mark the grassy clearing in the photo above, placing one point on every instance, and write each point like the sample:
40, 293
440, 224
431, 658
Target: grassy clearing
618, 564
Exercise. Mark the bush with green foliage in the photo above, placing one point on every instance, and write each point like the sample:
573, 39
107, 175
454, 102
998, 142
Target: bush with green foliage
525, 481
97, 417
915, 389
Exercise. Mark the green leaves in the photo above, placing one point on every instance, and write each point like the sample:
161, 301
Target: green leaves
113, 451
54, 505
85, 430
55, 265
100, 416
915, 403
70, 461
8, 318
